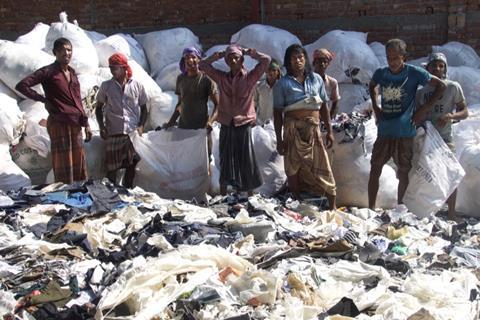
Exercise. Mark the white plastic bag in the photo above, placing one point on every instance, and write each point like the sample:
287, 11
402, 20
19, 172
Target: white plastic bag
11, 176
269, 161
122, 43
433, 176
12, 123
379, 50
167, 78
469, 79
174, 163
266, 39
166, 46
36, 37
352, 95
20, 60
468, 201
459, 54
34, 165
161, 108
354, 62
84, 55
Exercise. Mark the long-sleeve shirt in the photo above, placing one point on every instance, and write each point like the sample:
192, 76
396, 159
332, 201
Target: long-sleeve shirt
64, 96
236, 91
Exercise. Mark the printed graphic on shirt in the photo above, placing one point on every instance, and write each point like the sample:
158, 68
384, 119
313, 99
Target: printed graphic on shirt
392, 98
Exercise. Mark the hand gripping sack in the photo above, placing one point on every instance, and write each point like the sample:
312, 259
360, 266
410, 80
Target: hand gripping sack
433, 176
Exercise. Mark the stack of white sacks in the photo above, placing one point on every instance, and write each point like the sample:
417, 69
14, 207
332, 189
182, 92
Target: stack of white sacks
154, 59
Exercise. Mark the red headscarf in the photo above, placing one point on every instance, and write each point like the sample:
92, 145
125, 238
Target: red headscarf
119, 59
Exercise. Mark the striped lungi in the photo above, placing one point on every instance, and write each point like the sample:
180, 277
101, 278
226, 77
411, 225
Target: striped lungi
68, 154
120, 152
238, 166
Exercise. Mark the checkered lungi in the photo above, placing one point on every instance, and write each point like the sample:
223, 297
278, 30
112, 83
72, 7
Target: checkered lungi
68, 154
120, 152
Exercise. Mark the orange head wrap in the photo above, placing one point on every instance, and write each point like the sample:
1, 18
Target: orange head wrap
119, 59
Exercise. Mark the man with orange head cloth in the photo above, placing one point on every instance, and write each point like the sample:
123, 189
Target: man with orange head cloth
123, 102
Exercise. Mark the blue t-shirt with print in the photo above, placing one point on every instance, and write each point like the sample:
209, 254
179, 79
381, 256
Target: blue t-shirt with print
398, 99
288, 90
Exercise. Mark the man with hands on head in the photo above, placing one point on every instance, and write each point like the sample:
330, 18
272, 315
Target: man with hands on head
121, 109
236, 113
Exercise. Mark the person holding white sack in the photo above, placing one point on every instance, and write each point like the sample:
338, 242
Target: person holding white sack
450, 107
398, 116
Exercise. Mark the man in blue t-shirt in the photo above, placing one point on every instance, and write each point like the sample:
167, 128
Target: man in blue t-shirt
397, 116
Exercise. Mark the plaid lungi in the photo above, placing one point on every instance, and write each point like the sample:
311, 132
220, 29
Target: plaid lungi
68, 154
120, 153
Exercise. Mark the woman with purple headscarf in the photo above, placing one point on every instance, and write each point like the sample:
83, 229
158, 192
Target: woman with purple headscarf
236, 113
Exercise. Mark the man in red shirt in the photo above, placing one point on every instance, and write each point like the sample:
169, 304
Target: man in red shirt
66, 115
236, 113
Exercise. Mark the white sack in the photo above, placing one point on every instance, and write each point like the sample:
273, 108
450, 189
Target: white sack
122, 43
95, 36
36, 37
468, 201
12, 124
166, 46
11, 176
352, 95
95, 154
379, 49
351, 170
266, 39
459, 54
20, 60
6, 90
34, 165
465, 133
167, 78
434, 175
270, 163
174, 163
469, 79
354, 62
161, 108
84, 55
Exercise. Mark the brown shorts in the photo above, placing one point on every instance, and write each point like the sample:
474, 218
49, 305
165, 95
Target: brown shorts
400, 149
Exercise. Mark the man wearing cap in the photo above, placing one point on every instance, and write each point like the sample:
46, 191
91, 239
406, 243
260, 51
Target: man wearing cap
236, 113
264, 93
66, 115
321, 60
194, 88
398, 116
121, 109
450, 107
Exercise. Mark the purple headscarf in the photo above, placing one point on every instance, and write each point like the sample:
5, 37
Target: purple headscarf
189, 50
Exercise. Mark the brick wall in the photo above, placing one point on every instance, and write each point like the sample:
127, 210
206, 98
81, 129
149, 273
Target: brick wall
421, 23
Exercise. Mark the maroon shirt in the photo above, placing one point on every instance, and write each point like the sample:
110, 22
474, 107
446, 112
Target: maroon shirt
64, 97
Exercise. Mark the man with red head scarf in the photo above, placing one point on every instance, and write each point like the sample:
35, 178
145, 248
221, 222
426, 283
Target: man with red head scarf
121, 109
236, 113
66, 115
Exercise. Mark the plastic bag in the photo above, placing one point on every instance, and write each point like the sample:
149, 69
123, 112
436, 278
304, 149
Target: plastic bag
433, 176
174, 163
11, 176
123, 43
459, 54
84, 55
266, 39
29, 160
20, 60
167, 78
12, 123
166, 46
36, 37
468, 201
355, 62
